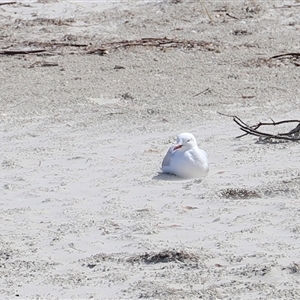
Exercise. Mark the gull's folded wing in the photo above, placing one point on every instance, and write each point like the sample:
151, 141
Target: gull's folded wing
167, 158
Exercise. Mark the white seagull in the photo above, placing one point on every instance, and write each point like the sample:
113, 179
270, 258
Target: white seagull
185, 159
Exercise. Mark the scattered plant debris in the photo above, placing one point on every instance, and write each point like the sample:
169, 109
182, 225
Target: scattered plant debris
105, 48
239, 193
294, 268
241, 32
164, 257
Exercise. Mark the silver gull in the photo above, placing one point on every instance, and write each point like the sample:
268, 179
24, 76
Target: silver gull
185, 159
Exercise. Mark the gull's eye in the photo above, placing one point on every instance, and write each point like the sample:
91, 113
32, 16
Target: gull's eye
188, 141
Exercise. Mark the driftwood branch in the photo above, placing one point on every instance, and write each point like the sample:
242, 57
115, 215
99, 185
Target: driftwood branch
292, 135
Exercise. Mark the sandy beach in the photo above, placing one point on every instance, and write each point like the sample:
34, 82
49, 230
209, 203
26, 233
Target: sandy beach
92, 96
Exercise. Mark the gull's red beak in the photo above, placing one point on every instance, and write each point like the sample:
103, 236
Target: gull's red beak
177, 147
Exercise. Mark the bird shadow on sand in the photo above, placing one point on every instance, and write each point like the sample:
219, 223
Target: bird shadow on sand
167, 177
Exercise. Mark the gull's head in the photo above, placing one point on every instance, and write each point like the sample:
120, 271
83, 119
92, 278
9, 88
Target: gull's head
185, 141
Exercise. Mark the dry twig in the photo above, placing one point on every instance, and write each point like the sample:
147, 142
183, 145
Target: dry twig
206, 10
286, 6
293, 54
292, 135
294, 57
15, 52
8, 3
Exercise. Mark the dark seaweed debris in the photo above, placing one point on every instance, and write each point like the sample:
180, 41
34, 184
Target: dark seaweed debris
239, 193
163, 257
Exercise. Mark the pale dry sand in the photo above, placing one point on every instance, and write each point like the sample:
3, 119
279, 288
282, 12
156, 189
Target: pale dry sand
85, 212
